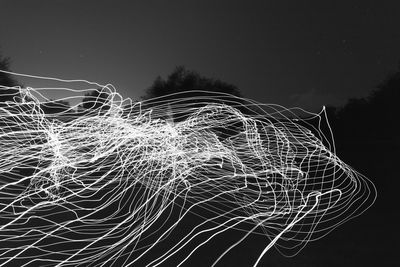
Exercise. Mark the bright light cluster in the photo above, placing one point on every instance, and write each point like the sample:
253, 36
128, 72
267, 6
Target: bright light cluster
154, 182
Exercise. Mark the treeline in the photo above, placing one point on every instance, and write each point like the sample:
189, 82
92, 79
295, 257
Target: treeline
369, 119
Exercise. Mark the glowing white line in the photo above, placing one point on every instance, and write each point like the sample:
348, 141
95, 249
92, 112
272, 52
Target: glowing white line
130, 174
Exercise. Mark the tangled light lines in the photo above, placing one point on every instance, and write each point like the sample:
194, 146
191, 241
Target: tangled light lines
155, 182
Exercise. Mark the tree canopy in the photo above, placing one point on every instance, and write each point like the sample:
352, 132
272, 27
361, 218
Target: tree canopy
181, 80
7, 82
55, 106
96, 99
370, 119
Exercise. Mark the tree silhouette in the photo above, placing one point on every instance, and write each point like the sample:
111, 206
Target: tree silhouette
373, 118
7, 92
182, 79
55, 106
194, 91
96, 99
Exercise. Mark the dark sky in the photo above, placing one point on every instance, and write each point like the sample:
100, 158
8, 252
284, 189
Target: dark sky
293, 53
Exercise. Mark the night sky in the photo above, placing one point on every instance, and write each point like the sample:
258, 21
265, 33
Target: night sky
293, 53
307, 54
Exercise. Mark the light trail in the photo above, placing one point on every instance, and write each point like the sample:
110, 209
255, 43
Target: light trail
109, 186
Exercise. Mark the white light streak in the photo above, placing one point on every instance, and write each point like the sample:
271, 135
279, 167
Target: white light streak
110, 186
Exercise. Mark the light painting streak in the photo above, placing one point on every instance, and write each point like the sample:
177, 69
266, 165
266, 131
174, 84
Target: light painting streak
110, 186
